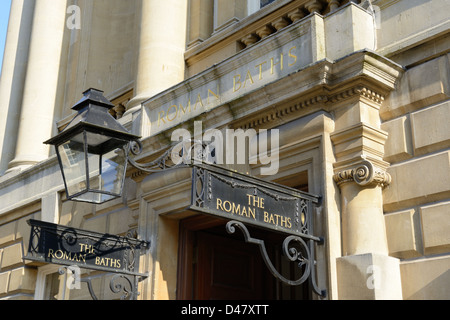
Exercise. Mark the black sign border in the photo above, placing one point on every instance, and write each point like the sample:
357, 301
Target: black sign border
35, 245
200, 190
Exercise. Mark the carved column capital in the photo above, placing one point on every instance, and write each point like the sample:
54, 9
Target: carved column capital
365, 174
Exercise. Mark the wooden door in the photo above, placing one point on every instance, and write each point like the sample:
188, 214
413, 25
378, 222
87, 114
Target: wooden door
228, 269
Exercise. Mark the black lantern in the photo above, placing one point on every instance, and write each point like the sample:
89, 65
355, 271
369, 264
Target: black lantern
92, 151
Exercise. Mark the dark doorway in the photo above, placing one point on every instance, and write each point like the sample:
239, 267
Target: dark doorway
214, 265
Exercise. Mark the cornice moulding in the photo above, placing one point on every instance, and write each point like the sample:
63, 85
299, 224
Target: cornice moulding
323, 85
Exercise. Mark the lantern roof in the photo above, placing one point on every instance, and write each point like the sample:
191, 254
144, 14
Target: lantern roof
93, 116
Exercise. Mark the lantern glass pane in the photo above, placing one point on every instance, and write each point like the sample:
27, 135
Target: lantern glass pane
101, 178
113, 171
106, 172
73, 162
101, 144
106, 177
95, 139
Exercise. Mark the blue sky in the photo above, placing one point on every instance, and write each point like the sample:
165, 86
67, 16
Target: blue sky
5, 5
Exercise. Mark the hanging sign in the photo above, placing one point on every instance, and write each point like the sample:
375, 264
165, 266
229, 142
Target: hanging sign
233, 196
51, 243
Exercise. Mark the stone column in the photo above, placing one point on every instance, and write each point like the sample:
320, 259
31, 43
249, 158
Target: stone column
36, 120
161, 48
13, 76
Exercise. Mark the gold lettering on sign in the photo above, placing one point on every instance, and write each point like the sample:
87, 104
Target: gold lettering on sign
260, 66
249, 211
255, 201
64, 255
276, 63
244, 79
107, 262
277, 220
273, 64
161, 115
175, 111
199, 102
293, 56
85, 250
233, 208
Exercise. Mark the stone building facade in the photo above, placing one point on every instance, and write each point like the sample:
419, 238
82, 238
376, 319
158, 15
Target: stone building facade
359, 91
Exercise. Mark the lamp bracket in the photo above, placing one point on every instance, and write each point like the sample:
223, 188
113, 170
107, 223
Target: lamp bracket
297, 250
182, 155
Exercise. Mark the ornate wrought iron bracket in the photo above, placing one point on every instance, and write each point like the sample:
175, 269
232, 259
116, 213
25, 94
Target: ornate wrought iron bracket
185, 154
120, 283
77, 249
298, 247
303, 255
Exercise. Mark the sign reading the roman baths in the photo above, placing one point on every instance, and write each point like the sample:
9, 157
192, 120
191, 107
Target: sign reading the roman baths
51, 243
233, 196
251, 69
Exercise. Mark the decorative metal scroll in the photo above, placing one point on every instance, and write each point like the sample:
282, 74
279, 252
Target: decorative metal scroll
125, 285
302, 254
52, 243
181, 155
240, 197
245, 200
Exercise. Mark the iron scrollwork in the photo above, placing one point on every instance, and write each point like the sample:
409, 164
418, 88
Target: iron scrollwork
126, 285
76, 248
246, 200
297, 247
184, 153
302, 254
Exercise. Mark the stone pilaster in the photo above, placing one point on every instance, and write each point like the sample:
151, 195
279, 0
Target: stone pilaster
363, 228
365, 270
